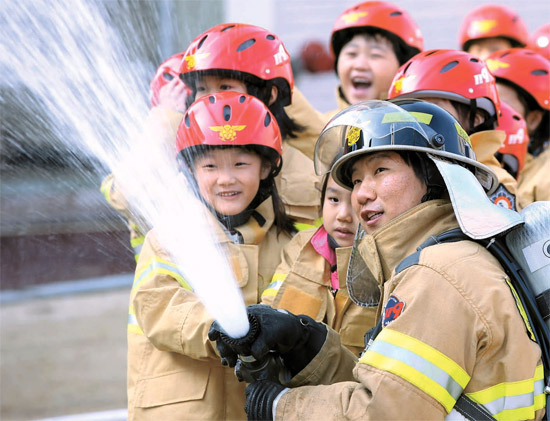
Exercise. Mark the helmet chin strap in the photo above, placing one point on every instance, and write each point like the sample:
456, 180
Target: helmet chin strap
233, 221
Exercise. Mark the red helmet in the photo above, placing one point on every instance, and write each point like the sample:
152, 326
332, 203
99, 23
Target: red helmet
242, 48
539, 41
230, 119
168, 70
378, 15
492, 21
449, 74
513, 151
525, 69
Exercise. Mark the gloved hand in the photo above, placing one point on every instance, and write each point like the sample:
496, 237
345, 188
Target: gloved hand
297, 339
259, 399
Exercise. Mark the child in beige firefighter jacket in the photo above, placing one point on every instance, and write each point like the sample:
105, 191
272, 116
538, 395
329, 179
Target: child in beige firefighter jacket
173, 369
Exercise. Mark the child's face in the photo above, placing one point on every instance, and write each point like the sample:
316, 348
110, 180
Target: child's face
484, 47
229, 179
207, 85
510, 96
339, 219
366, 67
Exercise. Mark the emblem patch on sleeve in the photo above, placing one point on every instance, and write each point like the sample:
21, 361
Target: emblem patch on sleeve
502, 197
394, 308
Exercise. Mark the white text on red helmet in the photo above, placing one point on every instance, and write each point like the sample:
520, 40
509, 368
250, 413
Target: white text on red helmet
517, 137
281, 55
483, 77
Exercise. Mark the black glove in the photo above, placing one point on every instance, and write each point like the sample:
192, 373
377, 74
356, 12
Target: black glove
259, 399
297, 339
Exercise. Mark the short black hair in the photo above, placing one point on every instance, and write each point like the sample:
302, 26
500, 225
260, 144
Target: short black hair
402, 51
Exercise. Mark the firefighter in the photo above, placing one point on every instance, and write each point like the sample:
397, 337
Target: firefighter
523, 81
450, 328
311, 278
166, 92
369, 41
230, 145
461, 84
491, 27
248, 58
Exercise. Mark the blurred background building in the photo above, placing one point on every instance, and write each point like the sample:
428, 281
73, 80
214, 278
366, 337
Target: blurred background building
63, 352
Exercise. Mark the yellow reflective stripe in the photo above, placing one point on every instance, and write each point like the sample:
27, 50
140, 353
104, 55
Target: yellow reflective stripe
157, 266
418, 363
275, 285
428, 353
137, 245
521, 311
137, 241
106, 189
397, 117
133, 326
513, 400
135, 329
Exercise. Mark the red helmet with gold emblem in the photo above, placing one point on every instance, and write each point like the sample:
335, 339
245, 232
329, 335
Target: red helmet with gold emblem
539, 41
449, 74
378, 15
167, 71
525, 69
492, 21
229, 119
512, 153
239, 47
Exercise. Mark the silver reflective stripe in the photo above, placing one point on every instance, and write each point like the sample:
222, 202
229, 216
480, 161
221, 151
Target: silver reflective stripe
275, 285
420, 364
132, 319
510, 402
137, 249
539, 387
154, 266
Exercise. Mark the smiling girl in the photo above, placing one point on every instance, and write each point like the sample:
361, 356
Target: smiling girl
230, 147
308, 280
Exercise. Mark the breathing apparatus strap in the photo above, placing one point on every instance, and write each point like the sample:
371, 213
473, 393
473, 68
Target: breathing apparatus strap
535, 315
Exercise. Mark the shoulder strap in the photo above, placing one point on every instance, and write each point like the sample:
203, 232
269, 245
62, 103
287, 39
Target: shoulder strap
445, 237
465, 405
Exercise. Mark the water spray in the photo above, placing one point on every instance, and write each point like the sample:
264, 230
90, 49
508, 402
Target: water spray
68, 54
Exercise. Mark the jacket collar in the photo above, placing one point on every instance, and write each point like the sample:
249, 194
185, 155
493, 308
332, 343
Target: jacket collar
251, 232
387, 247
487, 143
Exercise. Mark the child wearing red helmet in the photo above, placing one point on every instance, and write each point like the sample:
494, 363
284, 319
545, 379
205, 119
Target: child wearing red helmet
514, 149
523, 81
461, 84
247, 58
370, 40
229, 146
491, 27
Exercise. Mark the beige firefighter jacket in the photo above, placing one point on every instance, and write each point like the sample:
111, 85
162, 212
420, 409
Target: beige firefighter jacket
486, 144
174, 372
534, 180
302, 285
451, 325
341, 103
313, 122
